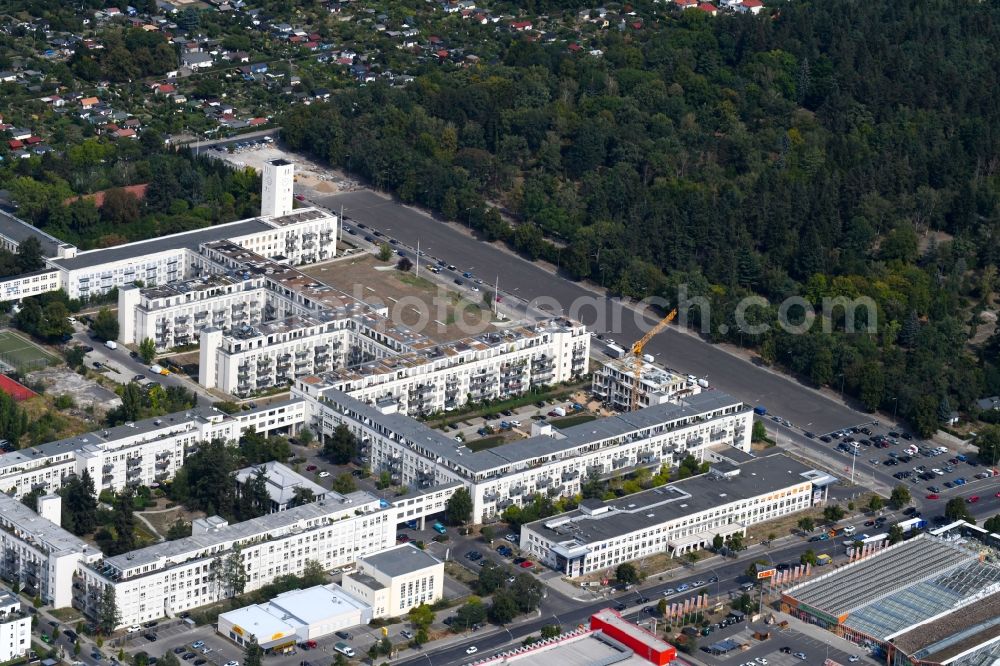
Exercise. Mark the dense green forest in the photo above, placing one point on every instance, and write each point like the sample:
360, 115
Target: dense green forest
184, 191
825, 149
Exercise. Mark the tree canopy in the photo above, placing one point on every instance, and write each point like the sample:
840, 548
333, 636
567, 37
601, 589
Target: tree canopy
820, 151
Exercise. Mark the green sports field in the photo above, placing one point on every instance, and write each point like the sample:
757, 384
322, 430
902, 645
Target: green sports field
22, 354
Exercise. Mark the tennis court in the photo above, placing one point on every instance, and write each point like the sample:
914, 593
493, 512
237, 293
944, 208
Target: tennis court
21, 354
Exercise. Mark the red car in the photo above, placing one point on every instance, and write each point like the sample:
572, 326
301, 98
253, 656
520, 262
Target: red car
311, 468
933, 496
527, 564
973, 499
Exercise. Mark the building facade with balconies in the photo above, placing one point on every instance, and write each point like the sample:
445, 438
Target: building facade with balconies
171, 577
496, 365
140, 453
38, 554
553, 462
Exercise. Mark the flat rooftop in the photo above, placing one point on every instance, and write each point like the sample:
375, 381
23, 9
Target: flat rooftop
189, 240
400, 560
579, 648
438, 445
315, 605
618, 517
43, 534
19, 231
946, 637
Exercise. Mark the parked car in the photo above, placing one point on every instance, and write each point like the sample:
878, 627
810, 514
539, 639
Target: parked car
324, 474
150, 636
197, 645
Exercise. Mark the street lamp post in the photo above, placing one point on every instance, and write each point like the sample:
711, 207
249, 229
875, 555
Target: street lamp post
895, 404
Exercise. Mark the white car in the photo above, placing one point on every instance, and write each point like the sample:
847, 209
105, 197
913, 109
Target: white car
472, 649
133, 628
324, 474
853, 658
761, 660
516, 424
937, 471
232, 663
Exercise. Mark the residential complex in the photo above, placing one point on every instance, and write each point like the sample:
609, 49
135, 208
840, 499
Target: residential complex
932, 600
139, 453
174, 576
677, 518
15, 628
260, 322
552, 461
396, 580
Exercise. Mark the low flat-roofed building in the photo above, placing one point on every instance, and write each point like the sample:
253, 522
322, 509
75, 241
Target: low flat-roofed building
610, 640
285, 486
397, 579
929, 600
677, 518
293, 617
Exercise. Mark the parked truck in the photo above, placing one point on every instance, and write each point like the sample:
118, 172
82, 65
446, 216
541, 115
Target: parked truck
614, 351
558, 411
111, 344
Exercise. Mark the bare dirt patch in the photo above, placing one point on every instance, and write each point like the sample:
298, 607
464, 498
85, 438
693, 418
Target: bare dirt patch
85, 392
308, 174
416, 302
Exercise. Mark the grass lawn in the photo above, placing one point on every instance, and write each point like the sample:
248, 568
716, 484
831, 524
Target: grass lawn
21, 353
486, 442
575, 419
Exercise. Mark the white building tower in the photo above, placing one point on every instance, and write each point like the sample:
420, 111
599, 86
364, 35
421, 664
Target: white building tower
276, 194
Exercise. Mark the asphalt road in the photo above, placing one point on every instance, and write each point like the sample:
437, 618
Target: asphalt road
122, 368
730, 574
530, 283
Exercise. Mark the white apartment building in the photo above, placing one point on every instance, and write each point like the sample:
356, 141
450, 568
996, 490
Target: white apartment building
139, 453
552, 461
290, 236
38, 554
173, 576
29, 284
614, 382
677, 518
176, 313
396, 580
15, 628
494, 365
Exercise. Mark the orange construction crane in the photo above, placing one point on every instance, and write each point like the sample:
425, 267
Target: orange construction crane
637, 348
